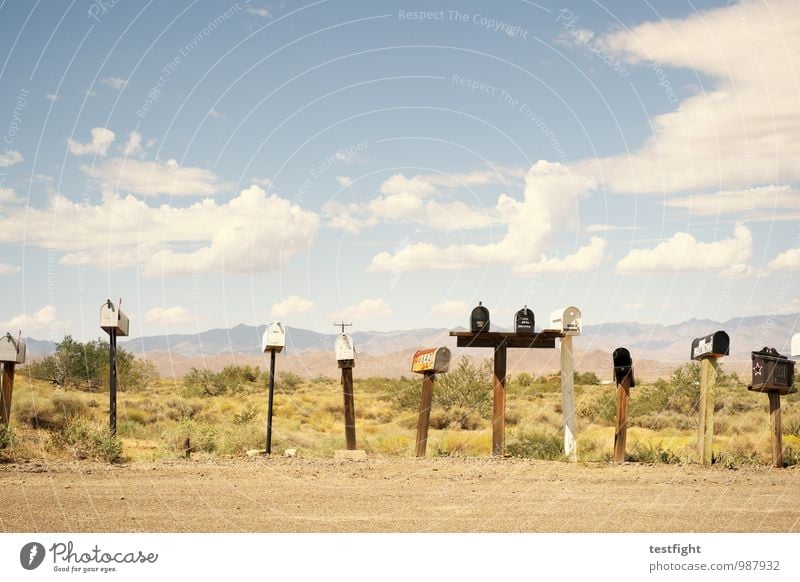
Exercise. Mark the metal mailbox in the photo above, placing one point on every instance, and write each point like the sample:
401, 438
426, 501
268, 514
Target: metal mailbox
623, 365
796, 344
772, 372
479, 321
714, 345
12, 350
524, 321
274, 338
566, 320
431, 360
345, 351
112, 318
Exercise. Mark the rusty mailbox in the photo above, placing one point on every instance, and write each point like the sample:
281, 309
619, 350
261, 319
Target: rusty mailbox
623, 365
435, 360
772, 372
524, 321
714, 345
12, 350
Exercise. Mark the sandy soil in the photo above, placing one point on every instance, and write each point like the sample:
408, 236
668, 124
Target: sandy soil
406, 495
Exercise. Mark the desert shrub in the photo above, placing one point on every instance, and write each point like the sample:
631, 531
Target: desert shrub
182, 409
288, 382
242, 438
202, 437
792, 427
51, 414
651, 453
602, 407
6, 436
467, 386
204, 383
536, 445
87, 441
455, 418
524, 379
244, 416
791, 456
405, 393
589, 378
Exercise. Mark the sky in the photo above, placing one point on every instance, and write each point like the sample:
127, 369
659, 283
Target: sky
391, 164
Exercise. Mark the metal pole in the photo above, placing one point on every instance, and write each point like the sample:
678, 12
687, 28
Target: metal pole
775, 428
268, 449
112, 381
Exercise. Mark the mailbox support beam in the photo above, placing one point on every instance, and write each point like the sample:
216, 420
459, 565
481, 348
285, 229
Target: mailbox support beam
6, 392
775, 428
705, 425
621, 432
568, 398
499, 406
112, 381
424, 420
268, 448
349, 409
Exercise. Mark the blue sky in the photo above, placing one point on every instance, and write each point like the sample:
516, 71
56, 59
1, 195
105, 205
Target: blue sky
392, 163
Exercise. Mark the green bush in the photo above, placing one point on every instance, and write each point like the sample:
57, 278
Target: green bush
6, 436
651, 453
87, 441
288, 382
588, 378
535, 445
204, 383
202, 437
524, 379
245, 415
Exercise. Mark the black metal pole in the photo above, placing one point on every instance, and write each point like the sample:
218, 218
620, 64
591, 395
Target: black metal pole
268, 450
112, 381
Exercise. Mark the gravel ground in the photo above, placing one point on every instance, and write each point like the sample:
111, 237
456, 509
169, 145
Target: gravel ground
393, 495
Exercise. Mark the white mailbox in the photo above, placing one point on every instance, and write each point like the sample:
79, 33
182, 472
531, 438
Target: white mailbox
345, 351
274, 337
12, 350
796, 344
566, 320
111, 317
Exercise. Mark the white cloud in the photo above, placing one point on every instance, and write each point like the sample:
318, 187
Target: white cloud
133, 146
451, 307
265, 182
741, 132
8, 196
344, 181
685, 253
367, 309
102, 138
6, 269
262, 12
9, 158
45, 317
151, 178
611, 227
217, 114
169, 315
51, 97
788, 260
252, 232
742, 202
116, 83
290, 305
584, 259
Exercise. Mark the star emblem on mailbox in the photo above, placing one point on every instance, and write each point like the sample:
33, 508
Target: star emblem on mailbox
757, 369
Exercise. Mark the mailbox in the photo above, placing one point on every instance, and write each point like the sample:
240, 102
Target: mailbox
796, 344
623, 365
274, 337
12, 350
112, 318
345, 351
566, 320
772, 372
524, 321
431, 360
480, 319
714, 345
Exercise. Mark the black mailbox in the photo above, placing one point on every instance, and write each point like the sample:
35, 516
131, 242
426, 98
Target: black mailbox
772, 372
480, 319
623, 365
713, 345
524, 321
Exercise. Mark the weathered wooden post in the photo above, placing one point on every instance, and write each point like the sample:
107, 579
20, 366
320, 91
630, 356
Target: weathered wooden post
273, 341
12, 352
623, 374
567, 320
428, 363
346, 360
707, 350
116, 324
774, 374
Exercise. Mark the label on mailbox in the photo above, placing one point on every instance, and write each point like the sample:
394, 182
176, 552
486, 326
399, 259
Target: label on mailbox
714, 345
431, 360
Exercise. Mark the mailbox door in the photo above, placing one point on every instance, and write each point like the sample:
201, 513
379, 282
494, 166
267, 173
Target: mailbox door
524, 321
441, 362
344, 348
479, 321
8, 349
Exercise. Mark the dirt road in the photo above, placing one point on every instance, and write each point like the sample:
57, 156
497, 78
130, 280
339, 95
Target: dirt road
406, 495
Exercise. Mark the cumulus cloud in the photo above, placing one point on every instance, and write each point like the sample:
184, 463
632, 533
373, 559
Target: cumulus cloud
152, 178
168, 315
261, 12
116, 83
344, 181
45, 317
683, 252
290, 305
451, 307
788, 260
367, 309
744, 202
133, 146
6, 269
584, 259
251, 232
9, 158
8, 196
102, 138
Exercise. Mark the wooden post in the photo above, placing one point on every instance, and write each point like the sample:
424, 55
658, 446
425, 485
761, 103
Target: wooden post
349, 409
705, 425
775, 428
499, 408
568, 398
6, 392
621, 432
425, 413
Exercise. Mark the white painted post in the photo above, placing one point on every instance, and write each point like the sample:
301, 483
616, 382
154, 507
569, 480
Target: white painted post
568, 398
